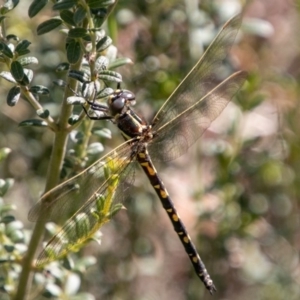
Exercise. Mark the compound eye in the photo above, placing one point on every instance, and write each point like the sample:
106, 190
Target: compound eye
118, 104
129, 96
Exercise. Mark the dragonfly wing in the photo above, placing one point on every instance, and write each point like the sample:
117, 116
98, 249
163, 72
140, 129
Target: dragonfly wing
200, 81
82, 225
63, 201
176, 136
202, 78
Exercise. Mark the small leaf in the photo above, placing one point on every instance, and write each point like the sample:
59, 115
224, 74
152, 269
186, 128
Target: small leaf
73, 119
12, 37
8, 219
25, 61
75, 100
35, 7
95, 149
101, 63
105, 92
68, 17
104, 43
13, 96
6, 50
22, 46
73, 52
4, 153
5, 185
108, 75
79, 75
9, 248
52, 290
39, 89
79, 14
65, 4
119, 62
99, 4
62, 67
90, 89
33, 122
43, 114
48, 26
17, 70
77, 33
60, 82
7, 75
102, 132
9, 5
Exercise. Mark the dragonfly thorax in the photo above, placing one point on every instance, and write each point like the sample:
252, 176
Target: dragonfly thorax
119, 101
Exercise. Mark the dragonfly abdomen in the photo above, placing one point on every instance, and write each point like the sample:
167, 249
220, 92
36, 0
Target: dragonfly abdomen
145, 161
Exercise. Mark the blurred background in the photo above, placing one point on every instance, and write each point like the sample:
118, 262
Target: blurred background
237, 189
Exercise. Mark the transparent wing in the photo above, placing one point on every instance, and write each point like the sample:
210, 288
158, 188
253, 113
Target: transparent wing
85, 222
63, 201
184, 107
175, 137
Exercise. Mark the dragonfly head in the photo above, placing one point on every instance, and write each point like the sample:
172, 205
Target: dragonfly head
119, 100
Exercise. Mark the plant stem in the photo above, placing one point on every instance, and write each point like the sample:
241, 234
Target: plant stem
56, 161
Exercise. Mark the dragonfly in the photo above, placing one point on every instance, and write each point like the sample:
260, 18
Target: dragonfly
185, 115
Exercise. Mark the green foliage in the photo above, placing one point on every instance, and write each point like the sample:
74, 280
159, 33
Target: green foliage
244, 185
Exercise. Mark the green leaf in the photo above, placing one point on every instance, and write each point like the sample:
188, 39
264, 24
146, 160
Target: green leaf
95, 149
79, 14
43, 113
105, 92
17, 71
25, 61
68, 17
22, 46
8, 219
4, 153
6, 50
101, 63
108, 75
77, 33
62, 67
7, 76
73, 52
65, 4
39, 89
28, 75
13, 96
99, 4
79, 75
104, 43
48, 26
33, 122
5, 185
52, 290
75, 100
9, 5
73, 119
102, 132
60, 82
35, 7
119, 62
12, 37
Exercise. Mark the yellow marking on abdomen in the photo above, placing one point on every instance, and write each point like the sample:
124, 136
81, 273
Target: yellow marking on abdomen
163, 194
195, 259
175, 217
186, 239
150, 170
141, 155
